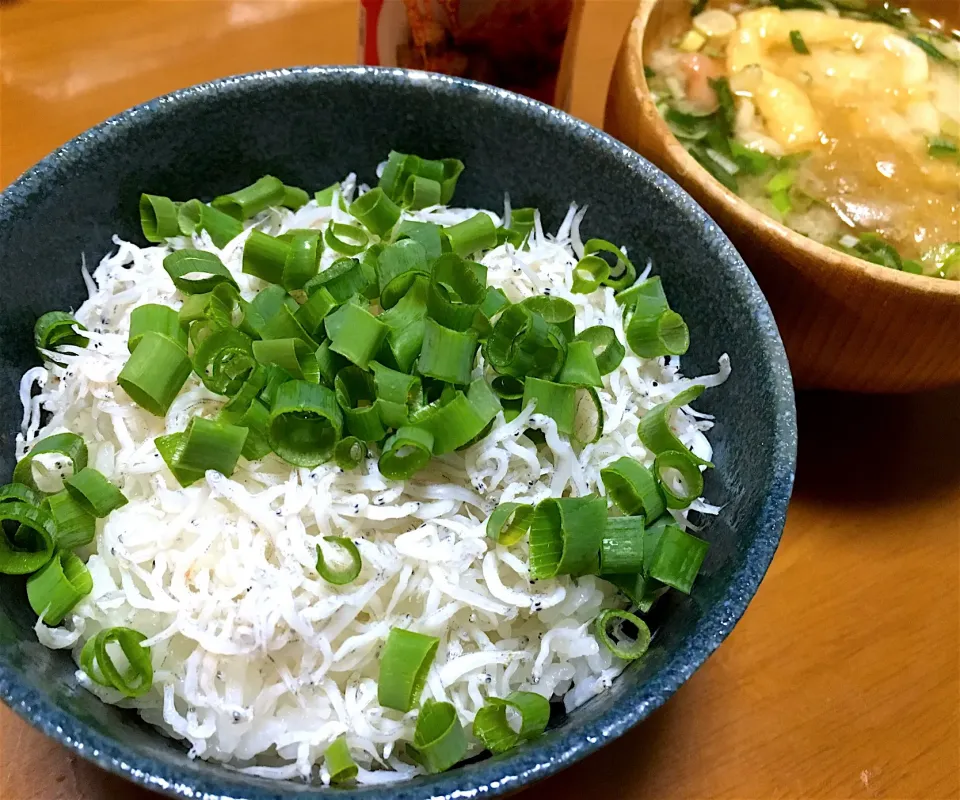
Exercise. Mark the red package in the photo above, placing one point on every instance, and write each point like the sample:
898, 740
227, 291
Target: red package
514, 44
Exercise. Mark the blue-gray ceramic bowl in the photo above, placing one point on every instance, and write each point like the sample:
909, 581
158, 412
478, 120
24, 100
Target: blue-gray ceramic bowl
310, 127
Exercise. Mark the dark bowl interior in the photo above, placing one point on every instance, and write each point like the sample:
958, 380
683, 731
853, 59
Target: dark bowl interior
310, 127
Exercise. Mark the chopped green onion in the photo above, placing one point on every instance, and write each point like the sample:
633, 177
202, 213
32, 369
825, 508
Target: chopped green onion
265, 256
405, 325
942, 147
555, 311
255, 418
589, 418
928, 47
195, 217
305, 423
338, 761
158, 218
376, 211
294, 356
56, 588
74, 523
343, 279
654, 429
285, 325
632, 488
391, 178
621, 549
509, 523
492, 729
294, 197
556, 400
69, 445
18, 492
684, 463
250, 201
349, 453
356, 395
457, 418
34, 540
565, 536
751, 162
326, 196
348, 240
95, 660
355, 333
404, 664
196, 271
57, 328
94, 492
781, 202
447, 355
342, 575
580, 366
330, 363
623, 273
420, 193
223, 360
249, 390
303, 258
782, 181
494, 301
651, 337
522, 222
589, 273
398, 267
607, 348
396, 393
427, 234
311, 314
455, 292
799, 46
405, 453
156, 318
472, 235
678, 558
452, 170
169, 448
210, 445
439, 741
622, 645
521, 345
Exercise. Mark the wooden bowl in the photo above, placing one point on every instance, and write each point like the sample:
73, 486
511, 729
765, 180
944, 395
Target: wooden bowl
847, 324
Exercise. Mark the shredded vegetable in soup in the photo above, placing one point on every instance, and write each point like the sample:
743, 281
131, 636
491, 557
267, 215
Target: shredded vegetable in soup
839, 119
353, 486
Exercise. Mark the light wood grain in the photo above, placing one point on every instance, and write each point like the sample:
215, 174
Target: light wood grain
846, 324
843, 678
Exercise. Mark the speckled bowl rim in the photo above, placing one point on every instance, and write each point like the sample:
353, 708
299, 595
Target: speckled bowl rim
751, 218
527, 764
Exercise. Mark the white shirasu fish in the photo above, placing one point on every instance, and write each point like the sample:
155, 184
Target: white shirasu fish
261, 664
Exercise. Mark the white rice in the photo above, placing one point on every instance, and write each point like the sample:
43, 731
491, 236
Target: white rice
261, 664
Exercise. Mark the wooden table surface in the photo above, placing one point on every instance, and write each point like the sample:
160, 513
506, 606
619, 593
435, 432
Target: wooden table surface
842, 680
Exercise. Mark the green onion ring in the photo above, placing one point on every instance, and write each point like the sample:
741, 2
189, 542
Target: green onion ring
68, 445
305, 423
405, 453
339, 576
588, 274
626, 650
491, 728
626, 274
404, 664
196, 271
606, 347
265, 256
509, 523
251, 200
95, 660
303, 259
338, 761
683, 462
18, 558
348, 240
632, 488
677, 558
94, 492
158, 319
195, 217
75, 525
439, 740
56, 588
158, 218
654, 428
565, 536
57, 328
349, 453
621, 549
294, 356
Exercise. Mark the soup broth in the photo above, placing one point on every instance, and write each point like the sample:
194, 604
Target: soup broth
841, 120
